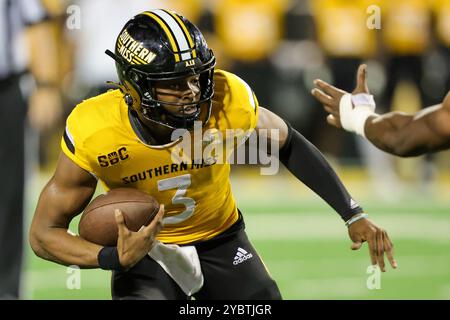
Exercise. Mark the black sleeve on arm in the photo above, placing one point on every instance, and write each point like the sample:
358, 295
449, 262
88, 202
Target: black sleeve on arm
306, 162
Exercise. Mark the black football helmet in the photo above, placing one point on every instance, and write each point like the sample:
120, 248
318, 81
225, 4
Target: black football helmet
161, 45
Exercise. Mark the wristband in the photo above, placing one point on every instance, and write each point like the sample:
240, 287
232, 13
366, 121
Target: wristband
356, 218
108, 259
354, 111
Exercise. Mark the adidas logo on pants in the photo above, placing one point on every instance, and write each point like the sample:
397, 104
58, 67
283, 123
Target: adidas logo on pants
241, 256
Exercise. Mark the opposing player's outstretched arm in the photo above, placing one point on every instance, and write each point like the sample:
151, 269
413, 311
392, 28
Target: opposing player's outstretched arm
394, 132
306, 163
65, 196
411, 135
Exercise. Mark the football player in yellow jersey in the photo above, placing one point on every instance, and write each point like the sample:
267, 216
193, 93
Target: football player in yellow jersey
127, 138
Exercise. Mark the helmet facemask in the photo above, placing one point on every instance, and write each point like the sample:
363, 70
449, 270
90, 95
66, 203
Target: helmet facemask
153, 109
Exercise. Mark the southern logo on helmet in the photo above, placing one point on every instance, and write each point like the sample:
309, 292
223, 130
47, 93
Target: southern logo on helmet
133, 51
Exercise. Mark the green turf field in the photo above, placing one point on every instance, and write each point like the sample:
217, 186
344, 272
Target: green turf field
307, 250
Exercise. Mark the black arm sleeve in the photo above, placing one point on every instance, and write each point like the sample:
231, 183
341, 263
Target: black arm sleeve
306, 162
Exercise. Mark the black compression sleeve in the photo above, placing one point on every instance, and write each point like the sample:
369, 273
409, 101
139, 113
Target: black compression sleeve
306, 162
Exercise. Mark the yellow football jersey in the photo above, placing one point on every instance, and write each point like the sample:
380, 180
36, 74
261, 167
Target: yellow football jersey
197, 195
342, 27
441, 9
250, 30
406, 26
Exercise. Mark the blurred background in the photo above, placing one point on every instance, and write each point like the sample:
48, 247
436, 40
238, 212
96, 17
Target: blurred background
279, 47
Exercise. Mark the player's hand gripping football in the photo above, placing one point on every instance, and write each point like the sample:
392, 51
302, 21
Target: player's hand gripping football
330, 96
133, 246
377, 239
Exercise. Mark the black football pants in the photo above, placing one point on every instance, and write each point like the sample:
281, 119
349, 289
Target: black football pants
231, 267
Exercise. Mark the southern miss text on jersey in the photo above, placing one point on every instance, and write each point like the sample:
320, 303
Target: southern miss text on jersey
197, 196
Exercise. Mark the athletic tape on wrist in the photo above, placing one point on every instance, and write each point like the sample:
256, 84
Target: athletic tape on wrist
354, 111
363, 99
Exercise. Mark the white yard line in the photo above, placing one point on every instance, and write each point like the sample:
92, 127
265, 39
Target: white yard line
325, 226
410, 266
56, 278
327, 288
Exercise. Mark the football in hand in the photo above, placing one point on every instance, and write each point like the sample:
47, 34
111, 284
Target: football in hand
98, 222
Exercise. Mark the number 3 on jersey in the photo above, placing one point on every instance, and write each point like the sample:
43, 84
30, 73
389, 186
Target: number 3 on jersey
181, 183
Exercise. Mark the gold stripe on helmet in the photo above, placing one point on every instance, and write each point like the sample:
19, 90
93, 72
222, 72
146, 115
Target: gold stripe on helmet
169, 35
185, 31
139, 60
